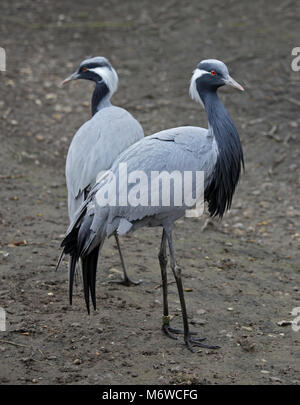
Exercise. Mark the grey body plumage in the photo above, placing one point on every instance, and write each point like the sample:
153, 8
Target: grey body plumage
94, 148
216, 151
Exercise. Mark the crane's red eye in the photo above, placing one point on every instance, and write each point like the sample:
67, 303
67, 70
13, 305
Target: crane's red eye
213, 72
84, 69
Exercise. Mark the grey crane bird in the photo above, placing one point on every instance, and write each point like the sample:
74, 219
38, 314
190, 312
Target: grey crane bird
216, 151
99, 141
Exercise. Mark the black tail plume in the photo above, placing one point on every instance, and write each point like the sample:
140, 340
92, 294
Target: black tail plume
72, 268
62, 255
89, 269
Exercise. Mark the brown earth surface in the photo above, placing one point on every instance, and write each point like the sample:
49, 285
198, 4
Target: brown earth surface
241, 274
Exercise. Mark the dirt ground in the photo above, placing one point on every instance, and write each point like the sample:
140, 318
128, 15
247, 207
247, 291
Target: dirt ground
242, 274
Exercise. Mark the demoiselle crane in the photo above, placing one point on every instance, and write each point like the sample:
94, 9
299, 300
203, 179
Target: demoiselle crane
100, 140
216, 151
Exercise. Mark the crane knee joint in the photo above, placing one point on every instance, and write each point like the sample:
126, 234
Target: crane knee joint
162, 259
177, 271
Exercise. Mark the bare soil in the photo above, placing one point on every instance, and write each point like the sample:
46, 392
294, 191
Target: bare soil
241, 274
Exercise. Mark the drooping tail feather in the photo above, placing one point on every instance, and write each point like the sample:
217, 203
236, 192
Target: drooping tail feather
72, 269
80, 243
62, 255
70, 242
89, 269
74, 244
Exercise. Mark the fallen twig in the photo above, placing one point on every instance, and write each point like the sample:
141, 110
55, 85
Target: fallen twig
11, 343
293, 101
12, 177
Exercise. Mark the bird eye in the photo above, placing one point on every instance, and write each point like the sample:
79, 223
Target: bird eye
84, 69
213, 72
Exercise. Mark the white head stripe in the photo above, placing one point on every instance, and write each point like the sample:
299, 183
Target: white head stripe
193, 88
198, 73
109, 76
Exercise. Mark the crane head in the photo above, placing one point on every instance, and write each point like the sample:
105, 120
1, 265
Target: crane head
98, 70
209, 75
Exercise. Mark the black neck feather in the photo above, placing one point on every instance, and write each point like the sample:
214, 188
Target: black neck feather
220, 189
100, 92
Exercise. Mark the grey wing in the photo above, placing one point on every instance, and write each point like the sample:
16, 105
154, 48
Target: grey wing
94, 148
179, 149
74, 203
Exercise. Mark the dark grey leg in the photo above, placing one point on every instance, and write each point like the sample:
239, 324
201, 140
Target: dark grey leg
125, 280
163, 261
189, 340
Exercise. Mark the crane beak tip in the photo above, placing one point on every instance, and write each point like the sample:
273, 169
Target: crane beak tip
234, 84
73, 76
61, 84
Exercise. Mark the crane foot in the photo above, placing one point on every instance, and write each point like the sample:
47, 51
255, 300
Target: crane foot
126, 281
191, 342
169, 331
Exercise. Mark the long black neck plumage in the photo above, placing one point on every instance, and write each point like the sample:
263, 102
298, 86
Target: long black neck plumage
100, 92
230, 159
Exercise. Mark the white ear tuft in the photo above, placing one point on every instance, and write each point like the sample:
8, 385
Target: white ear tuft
193, 87
110, 77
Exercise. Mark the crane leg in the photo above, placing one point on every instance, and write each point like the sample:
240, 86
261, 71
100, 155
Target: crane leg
163, 261
188, 338
125, 280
